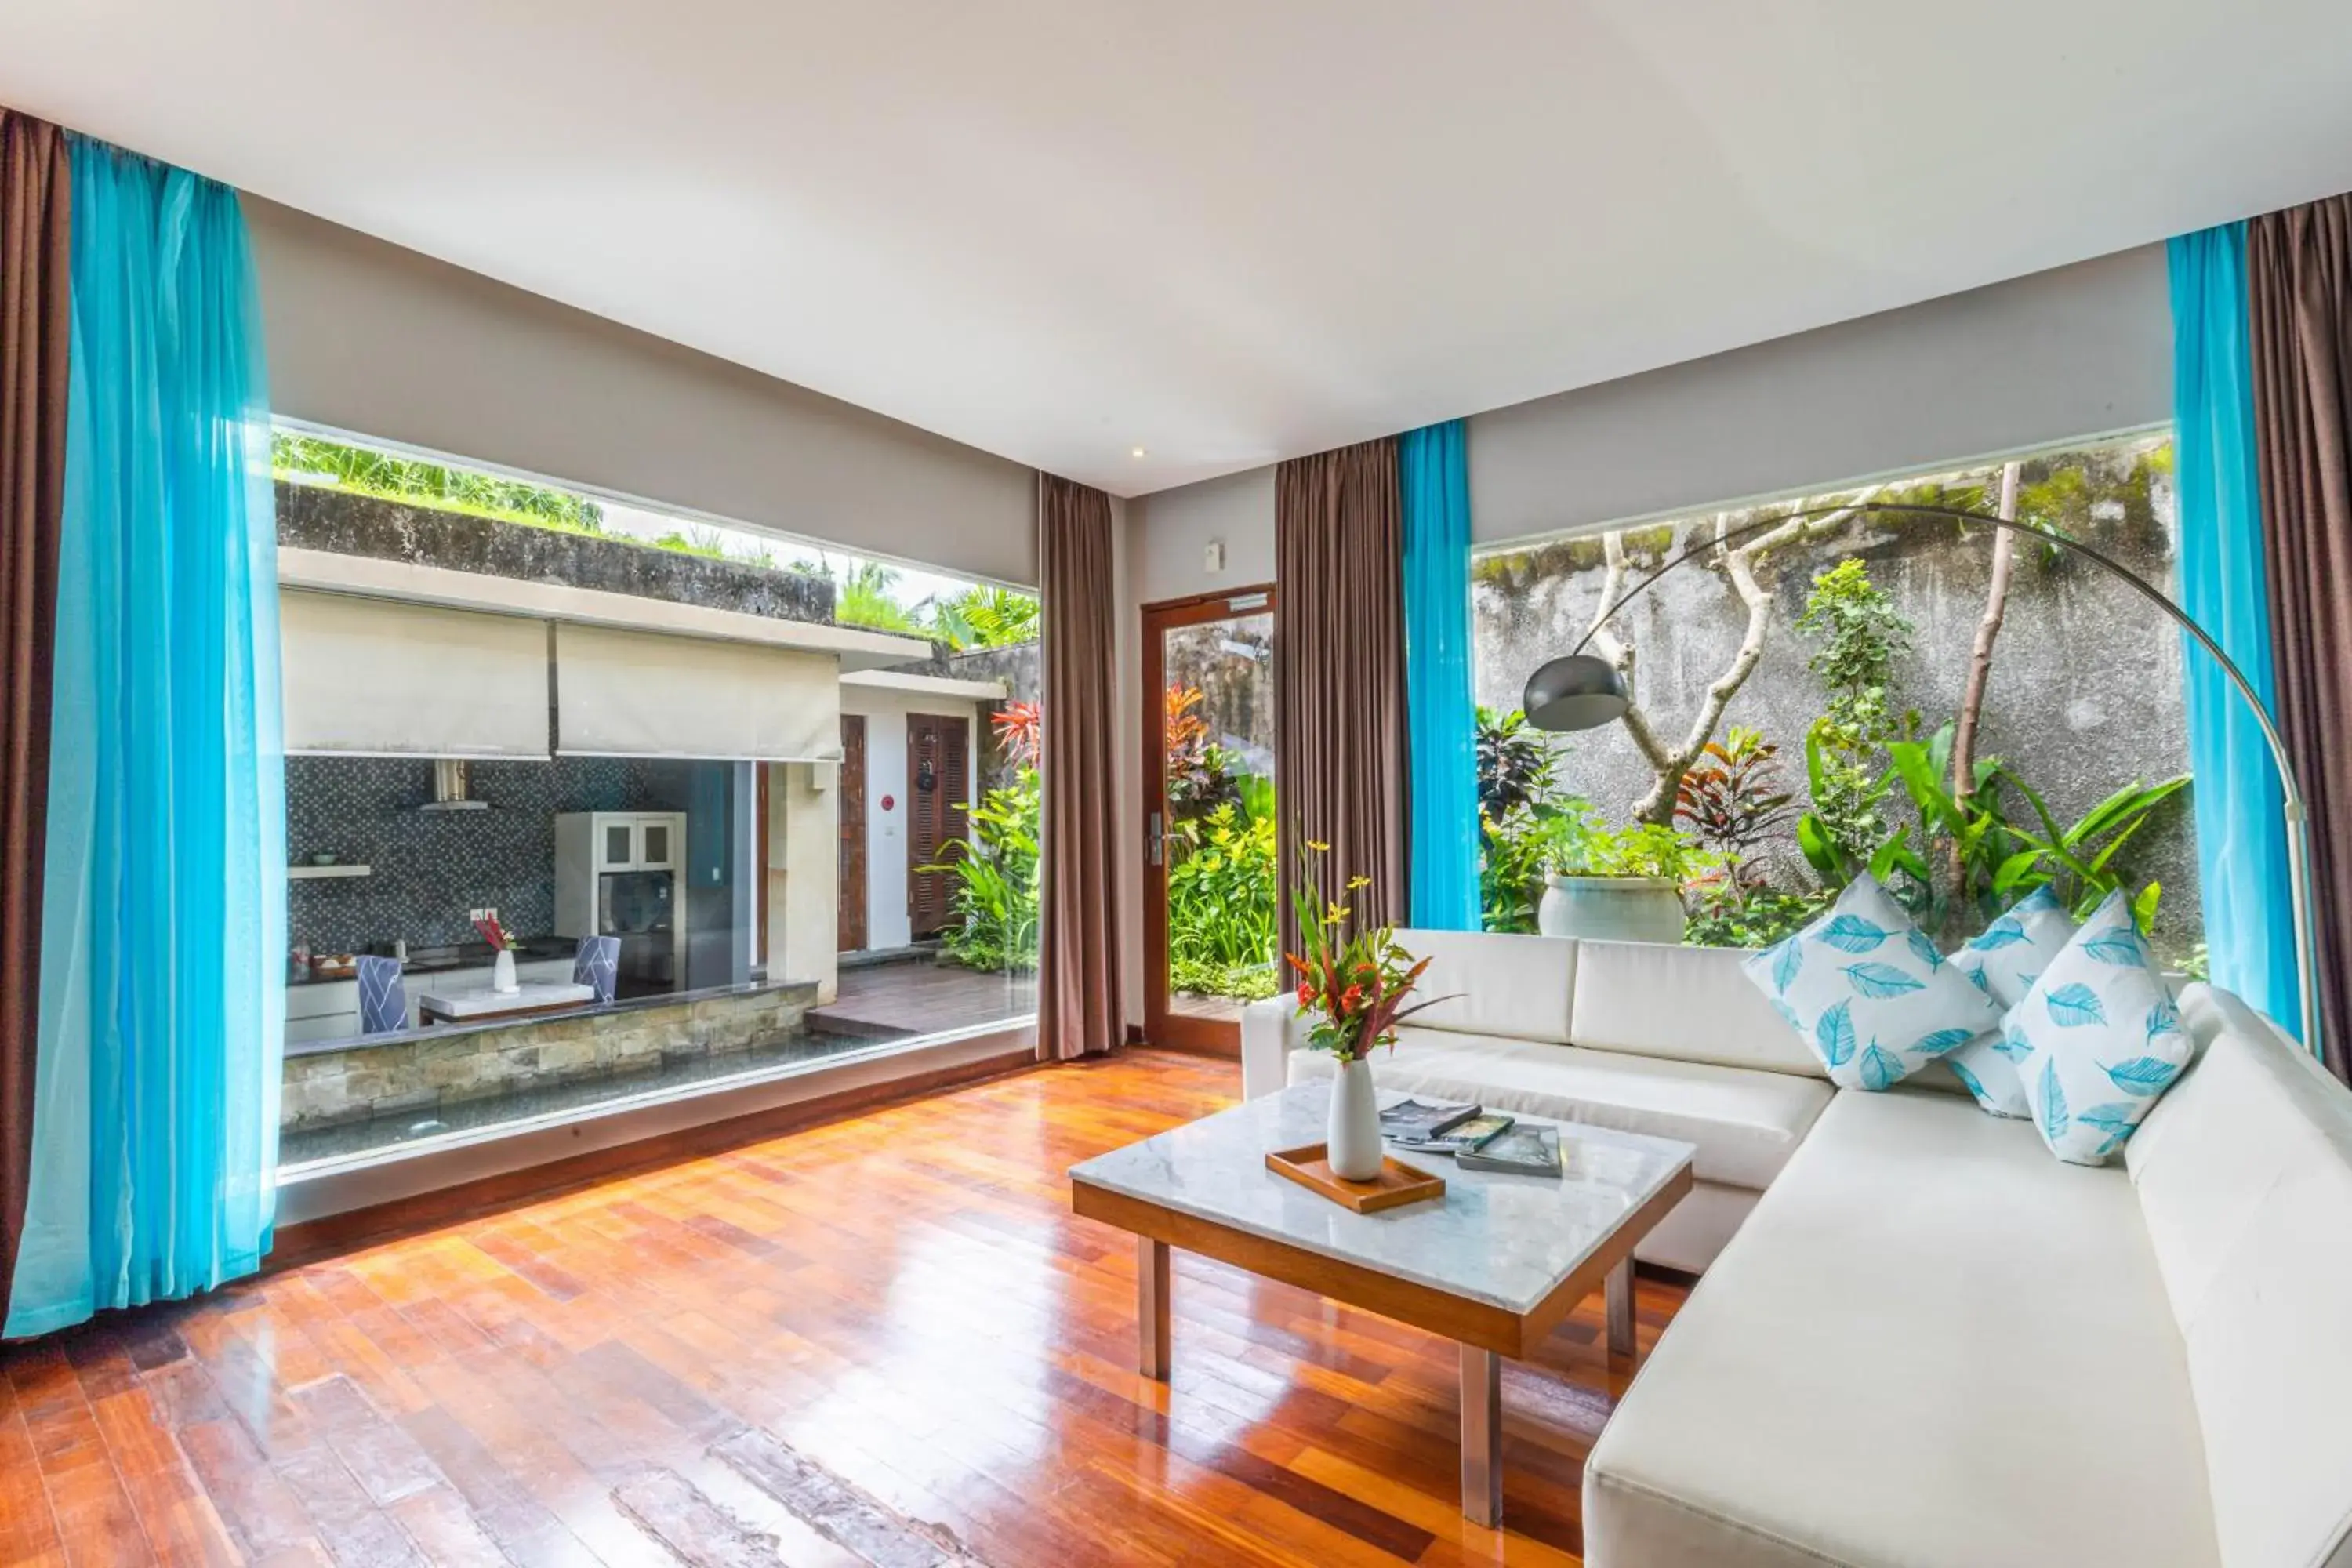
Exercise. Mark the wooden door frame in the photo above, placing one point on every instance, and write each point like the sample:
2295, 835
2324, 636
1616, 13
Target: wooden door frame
1161, 1027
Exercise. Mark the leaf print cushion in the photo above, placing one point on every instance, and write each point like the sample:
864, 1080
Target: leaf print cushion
2096, 1039
2004, 962
1869, 991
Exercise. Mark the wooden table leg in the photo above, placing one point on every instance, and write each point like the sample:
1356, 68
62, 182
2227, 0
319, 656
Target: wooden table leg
1151, 1307
1619, 1299
1481, 1437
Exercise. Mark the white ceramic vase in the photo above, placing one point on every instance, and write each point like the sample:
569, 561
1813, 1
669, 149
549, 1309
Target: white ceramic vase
502, 973
1352, 1143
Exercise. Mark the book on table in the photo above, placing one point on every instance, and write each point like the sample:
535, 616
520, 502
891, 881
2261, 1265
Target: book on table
1526, 1147
1440, 1129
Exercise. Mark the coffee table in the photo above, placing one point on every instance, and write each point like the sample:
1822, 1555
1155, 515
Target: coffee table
1493, 1266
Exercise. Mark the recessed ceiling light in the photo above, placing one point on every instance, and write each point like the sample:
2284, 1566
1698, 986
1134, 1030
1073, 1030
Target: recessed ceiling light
1139, 452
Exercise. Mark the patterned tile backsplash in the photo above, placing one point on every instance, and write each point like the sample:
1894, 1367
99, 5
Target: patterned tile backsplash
431, 866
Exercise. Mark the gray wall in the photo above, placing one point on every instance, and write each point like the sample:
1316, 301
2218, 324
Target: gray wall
2080, 350
378, 340
2074, 351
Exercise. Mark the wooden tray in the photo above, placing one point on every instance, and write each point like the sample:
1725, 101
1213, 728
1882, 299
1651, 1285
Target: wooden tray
1397, 1185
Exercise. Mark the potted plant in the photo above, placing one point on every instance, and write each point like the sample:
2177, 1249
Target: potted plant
1353, 980
1617, 884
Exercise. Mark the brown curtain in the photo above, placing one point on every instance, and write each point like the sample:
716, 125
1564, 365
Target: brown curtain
1079, 1009
33, 330
2299, 296
1339, 706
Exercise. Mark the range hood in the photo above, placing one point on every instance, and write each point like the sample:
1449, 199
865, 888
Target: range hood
449, 788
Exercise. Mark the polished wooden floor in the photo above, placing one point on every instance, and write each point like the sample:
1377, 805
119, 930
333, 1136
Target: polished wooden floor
890, 1323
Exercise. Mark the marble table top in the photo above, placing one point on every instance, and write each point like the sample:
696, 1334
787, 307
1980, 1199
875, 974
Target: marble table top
1501, 1239
481, 1001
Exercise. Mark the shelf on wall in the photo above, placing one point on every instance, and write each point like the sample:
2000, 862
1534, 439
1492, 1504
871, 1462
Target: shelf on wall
312, 873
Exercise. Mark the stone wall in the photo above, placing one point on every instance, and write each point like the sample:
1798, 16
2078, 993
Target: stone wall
1018, 664
2085, 694
402, 1075
314, 517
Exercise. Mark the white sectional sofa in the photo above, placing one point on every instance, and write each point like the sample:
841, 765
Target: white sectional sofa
1929, 1341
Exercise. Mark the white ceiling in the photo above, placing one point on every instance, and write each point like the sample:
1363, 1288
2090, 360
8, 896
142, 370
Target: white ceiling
1227, 231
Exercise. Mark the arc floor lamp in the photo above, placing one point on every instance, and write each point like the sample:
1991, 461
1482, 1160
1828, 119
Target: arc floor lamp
1579, 691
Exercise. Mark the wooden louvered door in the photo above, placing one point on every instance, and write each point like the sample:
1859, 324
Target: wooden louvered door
852, 890
939, 786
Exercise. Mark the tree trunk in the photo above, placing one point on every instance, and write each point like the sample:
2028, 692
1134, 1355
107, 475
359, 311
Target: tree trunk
2004, 555
1738, 565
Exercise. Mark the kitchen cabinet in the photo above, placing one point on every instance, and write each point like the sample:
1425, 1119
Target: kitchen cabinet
617, 874
326, 1010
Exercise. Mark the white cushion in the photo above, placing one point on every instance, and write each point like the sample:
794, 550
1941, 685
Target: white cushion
1744, 1124
2245, 1174
1494, 984
1869, 993
1695, 1229
1690, 1003
2101, 1038
2004, 961
1930, 1345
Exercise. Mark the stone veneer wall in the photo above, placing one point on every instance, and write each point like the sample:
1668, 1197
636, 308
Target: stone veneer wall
402, 1076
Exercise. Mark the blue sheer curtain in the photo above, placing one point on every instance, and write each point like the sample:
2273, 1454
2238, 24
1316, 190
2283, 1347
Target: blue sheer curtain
1433, 475
2240, 838
162, 1013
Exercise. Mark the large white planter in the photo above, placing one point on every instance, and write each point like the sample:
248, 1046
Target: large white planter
1611, 908
1352, 1141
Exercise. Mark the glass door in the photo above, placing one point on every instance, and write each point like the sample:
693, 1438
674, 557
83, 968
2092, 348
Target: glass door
1211, 880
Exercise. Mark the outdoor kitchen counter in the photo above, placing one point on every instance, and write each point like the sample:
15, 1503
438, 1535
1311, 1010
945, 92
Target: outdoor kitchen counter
329, 1082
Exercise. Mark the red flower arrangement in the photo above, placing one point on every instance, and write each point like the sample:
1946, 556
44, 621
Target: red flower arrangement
1353, 978
496, 935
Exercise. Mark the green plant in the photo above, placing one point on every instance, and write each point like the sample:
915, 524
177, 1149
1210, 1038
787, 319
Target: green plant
1964, 860
1732, 801
1516, 851
1222, 887
984, 616
1636, 849
995, 870
1200, 773
1515, 764
1860, 636
1724, 916
1353, 978
864, 596
362, 471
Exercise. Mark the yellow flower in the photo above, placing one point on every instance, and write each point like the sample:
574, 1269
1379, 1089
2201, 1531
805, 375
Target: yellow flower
1334, 913
1320, 848
1355, 882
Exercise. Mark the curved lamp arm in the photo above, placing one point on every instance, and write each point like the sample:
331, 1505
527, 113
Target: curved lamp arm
1578, 691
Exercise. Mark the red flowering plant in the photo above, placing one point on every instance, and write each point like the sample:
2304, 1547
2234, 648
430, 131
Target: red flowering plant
1353, 978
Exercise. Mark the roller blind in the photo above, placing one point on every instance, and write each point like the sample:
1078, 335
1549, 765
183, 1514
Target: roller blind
630, 694
375, 678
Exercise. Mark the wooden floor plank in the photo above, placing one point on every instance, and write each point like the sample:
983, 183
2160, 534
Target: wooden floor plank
883, 1331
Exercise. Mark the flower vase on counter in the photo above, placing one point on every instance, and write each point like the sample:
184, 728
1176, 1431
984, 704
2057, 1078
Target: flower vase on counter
502, 967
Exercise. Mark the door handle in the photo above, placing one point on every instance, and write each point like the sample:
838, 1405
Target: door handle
1154, 837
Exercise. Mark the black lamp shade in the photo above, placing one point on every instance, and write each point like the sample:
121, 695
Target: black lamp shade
1575, 691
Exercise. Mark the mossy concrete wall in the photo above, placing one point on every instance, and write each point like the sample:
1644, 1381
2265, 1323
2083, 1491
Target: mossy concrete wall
316, 516
2085, 694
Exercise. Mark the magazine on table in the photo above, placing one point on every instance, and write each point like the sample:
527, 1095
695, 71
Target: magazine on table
1440, 1129
1524, 1148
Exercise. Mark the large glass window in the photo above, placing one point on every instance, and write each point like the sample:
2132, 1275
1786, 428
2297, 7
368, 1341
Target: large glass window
1965, 713
745, 916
